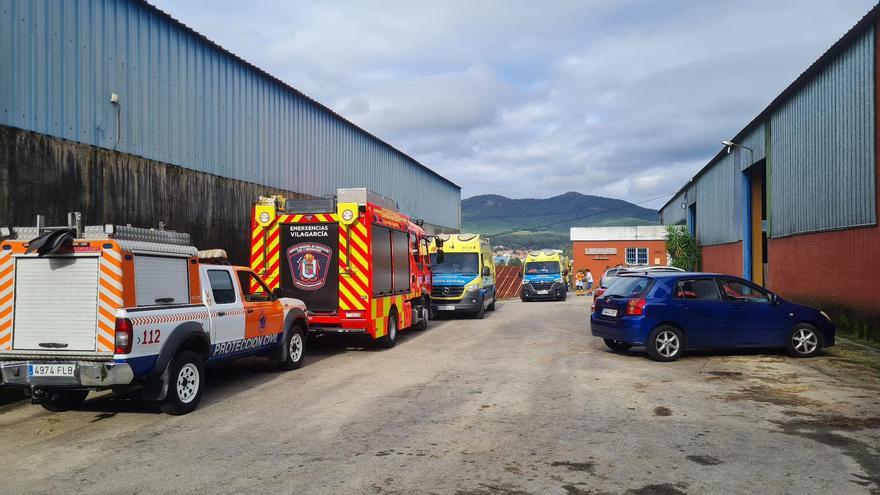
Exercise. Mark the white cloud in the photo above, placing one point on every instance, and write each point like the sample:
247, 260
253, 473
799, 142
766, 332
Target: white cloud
619, 98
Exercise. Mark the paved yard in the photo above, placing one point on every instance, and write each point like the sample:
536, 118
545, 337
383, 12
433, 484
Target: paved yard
521, 402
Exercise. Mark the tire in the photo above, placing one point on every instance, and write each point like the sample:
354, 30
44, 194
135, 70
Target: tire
63, 400
617, 346
564, 295
422, 325
389, 340
492, 304
294, 349
804, 341
481, 313
186, 383
665, 343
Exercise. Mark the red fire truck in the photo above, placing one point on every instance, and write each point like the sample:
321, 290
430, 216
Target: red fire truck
359, 264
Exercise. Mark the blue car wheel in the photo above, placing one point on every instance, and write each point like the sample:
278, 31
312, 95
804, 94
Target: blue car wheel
804, 341
665, 343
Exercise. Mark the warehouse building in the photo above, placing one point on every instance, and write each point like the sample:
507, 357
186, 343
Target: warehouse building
791, 202
118, 110
599, 248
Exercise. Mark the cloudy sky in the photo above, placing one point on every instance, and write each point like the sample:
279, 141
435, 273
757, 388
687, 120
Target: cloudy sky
609, 97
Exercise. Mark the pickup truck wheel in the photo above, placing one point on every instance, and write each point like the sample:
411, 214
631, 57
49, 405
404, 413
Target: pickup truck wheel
390, 338
187, 382
294, 349
492, 304
63, 400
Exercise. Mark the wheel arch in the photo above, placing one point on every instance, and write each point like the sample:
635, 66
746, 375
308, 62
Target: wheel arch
190, 336
816, 327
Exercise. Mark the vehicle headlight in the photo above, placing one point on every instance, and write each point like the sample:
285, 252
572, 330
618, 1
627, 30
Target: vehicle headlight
472, 288
825, 315
558, 280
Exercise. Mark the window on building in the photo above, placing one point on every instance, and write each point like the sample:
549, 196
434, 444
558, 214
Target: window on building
636, 256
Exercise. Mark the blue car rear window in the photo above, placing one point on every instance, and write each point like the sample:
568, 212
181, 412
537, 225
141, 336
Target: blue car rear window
628, 286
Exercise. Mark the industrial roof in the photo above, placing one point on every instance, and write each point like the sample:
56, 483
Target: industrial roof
823, 61
292, 89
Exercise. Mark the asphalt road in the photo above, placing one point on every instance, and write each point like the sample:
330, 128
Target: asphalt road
524, 401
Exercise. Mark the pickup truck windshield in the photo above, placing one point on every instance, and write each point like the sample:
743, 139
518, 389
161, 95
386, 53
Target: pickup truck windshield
542, 267
463, 263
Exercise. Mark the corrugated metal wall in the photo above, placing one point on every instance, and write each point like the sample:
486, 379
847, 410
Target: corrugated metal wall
719, 208
186, 102
755, 140
673, 213
822, 173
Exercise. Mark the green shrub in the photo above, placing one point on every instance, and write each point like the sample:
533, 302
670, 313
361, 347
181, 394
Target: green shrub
682, 248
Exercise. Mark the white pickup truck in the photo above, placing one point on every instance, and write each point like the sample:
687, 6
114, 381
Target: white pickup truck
121, 307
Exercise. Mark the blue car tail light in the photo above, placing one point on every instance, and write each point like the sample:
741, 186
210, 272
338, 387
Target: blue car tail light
636, 307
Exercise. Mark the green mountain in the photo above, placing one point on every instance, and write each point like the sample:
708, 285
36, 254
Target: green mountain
545, 223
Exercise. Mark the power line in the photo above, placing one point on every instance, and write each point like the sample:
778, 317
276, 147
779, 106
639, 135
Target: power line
527, 229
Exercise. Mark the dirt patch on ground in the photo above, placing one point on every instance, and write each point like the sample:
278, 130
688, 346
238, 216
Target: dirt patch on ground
662, 411
826, 429
705, 460
723, 375
487, 489
584, 467
853, 353
662, 489
576, 490
779, 396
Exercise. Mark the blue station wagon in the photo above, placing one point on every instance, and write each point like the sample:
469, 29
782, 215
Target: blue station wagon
669, 313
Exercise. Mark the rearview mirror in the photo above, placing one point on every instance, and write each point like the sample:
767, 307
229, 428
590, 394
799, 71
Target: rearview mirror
774, 299
486, 271
440, 256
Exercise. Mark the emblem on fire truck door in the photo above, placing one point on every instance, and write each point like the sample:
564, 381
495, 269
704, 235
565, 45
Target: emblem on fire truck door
309, 265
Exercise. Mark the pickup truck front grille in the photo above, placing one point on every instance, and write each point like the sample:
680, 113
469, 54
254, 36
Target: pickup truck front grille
447, 291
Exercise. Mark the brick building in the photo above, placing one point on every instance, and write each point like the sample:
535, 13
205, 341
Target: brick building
598, 248
791, 200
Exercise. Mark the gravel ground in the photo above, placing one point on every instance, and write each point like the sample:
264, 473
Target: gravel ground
524, 401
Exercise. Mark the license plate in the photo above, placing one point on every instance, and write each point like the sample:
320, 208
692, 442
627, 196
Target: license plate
446, 308
609, 312
51, 369
543, 292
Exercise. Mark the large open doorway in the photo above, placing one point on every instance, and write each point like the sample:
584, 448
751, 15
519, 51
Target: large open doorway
756, 238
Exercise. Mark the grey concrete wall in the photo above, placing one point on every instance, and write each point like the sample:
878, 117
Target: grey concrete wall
51, 176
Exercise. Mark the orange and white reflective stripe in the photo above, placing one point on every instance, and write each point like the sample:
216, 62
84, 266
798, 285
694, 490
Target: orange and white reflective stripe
109, 297
7, 276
